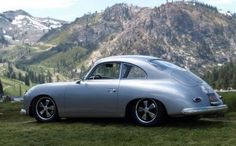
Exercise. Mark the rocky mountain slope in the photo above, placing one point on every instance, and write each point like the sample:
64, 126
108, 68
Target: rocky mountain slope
19, 27
190, 34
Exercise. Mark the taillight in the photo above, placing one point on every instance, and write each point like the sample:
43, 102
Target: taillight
213, 99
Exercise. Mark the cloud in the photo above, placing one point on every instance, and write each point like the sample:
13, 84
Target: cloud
35, 4
220, 2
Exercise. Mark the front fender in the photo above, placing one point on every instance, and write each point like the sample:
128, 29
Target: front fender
56, 92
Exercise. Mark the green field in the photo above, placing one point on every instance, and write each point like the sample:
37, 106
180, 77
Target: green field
13, 87
20, 130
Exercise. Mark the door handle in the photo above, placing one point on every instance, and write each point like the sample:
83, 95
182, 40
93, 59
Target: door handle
112, 90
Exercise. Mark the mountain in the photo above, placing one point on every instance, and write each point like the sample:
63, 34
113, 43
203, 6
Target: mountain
19, 27
189, 34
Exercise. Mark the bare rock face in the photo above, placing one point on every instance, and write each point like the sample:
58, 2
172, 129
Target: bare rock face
190, 34
118, 12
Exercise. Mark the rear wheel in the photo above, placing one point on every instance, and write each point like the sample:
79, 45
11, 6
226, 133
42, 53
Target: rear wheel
45, 109
148, 112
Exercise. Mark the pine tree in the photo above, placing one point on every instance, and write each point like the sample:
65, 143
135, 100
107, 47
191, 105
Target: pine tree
49, 77
1, 88
234, 81
58, 78
27, 80
20, 90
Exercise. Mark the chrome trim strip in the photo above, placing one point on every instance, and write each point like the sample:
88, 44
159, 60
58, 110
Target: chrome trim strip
204, 110
215, 103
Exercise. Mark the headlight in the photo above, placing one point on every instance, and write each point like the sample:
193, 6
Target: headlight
197, 99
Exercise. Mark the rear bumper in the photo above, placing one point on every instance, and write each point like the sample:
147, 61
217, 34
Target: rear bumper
204, 110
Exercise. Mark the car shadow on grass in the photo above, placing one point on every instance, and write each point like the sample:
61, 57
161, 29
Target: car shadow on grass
170, 122
99, 121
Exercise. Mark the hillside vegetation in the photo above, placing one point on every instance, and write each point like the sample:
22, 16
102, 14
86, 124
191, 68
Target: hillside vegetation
222, 77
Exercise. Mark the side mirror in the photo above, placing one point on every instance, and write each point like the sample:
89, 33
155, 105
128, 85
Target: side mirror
78, 82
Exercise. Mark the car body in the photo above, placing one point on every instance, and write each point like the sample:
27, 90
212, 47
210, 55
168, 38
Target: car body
143, 87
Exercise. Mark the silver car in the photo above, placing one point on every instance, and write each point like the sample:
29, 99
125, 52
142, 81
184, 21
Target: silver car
142, 87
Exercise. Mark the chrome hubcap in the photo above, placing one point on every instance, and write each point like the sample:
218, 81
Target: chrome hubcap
146, 110
45, 108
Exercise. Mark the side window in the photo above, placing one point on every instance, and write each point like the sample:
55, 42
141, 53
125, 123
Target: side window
132, 72
106, 71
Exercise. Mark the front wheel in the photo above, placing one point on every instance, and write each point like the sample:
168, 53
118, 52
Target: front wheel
148, 112
45, 109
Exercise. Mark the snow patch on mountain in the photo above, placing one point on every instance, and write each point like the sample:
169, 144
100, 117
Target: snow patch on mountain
22, 20
21, 27
49, 22
226, 13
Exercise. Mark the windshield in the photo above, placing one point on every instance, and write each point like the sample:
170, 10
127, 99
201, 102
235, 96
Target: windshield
162, 65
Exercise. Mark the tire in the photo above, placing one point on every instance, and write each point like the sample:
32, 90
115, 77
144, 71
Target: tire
148, 112
45, 109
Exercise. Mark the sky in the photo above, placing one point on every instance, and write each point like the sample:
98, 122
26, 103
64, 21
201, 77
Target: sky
71, 9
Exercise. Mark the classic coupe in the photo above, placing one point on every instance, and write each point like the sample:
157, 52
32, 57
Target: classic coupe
146, 88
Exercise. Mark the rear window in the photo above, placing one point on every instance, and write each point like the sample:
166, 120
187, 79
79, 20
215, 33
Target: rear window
162, 65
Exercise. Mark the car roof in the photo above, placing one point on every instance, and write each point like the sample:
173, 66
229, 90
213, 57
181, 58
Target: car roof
127, 58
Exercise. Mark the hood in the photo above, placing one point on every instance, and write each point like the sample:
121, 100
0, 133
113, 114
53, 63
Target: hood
48, 86
56, 84
186, 77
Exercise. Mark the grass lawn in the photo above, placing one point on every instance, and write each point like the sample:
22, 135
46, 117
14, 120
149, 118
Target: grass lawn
21, 130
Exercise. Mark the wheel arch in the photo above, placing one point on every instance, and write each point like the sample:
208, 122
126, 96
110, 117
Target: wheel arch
36, 98
133, 101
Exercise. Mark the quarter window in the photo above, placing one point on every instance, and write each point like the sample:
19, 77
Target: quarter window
132, 72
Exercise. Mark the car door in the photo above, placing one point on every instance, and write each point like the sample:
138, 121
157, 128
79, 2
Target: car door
97, 95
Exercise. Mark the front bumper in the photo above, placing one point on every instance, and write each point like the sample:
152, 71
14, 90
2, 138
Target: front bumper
23, 112
204, 110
